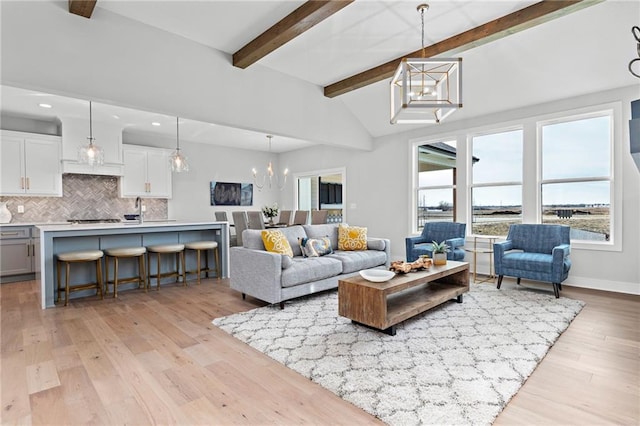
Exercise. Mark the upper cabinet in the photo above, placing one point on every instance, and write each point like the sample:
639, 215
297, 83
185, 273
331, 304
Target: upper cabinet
147, 172
30, 164
75, 132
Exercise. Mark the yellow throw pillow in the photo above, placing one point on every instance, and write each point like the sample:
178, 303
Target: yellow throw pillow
352, 238
276, 242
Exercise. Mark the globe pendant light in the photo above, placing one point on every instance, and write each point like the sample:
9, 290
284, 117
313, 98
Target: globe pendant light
91, 153
177, 159
425, 90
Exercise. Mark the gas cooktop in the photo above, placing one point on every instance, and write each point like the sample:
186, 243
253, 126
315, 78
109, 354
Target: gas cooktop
93, 221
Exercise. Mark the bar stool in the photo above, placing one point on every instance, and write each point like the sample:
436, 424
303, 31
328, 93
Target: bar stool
77, 257
124, 253
178, 250
205, 246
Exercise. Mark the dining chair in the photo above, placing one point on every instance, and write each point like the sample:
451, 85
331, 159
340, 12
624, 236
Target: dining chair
255, 220
221, 216
240, 223
285, 217
301, 217
319, 216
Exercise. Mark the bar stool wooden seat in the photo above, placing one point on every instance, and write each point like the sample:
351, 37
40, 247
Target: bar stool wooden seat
78, 257
200, 246
118, 254
178, 250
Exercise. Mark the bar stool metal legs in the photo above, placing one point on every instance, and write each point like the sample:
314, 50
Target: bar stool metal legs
78, 257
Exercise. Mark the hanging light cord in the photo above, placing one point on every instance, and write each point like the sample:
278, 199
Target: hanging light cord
177, 135
422, 8
90, 125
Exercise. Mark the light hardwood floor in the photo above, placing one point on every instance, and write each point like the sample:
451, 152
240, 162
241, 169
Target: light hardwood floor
156, 359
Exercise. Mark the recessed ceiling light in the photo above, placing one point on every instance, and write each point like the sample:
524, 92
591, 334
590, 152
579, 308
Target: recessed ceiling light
45, 106
117, 117
155, 123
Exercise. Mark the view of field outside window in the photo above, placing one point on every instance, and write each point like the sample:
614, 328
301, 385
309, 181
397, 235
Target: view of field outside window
576, 176
496, 189
436, 183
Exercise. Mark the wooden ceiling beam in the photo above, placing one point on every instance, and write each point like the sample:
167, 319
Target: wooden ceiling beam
522, 19
297, 22
83, 8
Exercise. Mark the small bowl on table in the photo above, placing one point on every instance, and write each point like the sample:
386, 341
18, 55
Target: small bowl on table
377, 275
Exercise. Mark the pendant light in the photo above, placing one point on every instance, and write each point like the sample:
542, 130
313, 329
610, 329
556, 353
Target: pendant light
91, 153
269, 174
425, 90
177, 159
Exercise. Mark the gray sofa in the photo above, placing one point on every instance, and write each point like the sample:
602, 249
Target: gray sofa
275, 278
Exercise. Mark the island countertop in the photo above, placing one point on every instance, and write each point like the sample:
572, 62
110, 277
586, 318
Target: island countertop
58, 238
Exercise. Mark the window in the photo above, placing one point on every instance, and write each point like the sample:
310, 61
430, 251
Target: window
436, 183
496, 189
576, 174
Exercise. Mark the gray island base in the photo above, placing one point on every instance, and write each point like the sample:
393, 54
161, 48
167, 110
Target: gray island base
62, 238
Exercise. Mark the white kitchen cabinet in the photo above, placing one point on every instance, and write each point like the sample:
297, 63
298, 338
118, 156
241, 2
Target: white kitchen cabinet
30, 164
147, 172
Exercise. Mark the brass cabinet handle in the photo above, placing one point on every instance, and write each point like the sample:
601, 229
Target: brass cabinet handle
28, 183
8, 233
33, 249
22, 183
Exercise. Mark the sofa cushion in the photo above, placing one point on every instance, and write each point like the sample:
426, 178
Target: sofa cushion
353, 261
352, 237
304, 270
315, 247
528, 261
252, 238
324, 230
276, 242
376, 244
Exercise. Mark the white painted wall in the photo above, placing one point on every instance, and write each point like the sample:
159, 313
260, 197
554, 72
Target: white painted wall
378, 188
115, 60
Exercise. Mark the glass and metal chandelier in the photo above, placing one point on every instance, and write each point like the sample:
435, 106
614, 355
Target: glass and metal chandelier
270, 178
425, 90
91, 153
177, 159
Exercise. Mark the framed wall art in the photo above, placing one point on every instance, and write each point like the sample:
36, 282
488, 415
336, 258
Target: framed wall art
231, 194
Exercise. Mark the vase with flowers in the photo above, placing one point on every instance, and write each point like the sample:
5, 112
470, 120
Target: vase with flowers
270, 212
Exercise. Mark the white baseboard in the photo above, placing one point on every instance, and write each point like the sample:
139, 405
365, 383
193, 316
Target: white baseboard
605, 285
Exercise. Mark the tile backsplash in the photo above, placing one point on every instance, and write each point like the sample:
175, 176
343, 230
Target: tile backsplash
84, 197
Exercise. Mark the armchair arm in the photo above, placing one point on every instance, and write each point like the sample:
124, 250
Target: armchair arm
560, 253
410, 243
499, 249
455, 242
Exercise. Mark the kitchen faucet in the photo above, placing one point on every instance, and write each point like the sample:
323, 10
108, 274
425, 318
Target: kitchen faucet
139, 207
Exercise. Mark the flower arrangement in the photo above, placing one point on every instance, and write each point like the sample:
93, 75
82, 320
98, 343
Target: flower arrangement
270, 212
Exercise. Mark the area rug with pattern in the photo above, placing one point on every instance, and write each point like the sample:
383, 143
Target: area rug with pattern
459, 363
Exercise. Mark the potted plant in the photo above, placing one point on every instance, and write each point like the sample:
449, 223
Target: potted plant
440, 253
270, 212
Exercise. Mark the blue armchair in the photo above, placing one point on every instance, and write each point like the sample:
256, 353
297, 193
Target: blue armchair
536, 252
450, 232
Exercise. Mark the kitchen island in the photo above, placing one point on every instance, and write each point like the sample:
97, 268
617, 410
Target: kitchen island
56, 239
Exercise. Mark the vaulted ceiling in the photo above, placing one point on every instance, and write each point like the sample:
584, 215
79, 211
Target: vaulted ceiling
515, 52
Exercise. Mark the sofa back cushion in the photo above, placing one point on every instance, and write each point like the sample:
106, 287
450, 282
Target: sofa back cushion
325, 230
252, 238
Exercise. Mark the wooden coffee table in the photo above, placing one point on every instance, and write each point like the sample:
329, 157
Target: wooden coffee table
383, 305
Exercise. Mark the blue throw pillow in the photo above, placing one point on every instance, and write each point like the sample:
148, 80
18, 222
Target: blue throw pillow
315, 247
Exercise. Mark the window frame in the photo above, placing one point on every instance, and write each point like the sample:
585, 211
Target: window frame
614, 112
